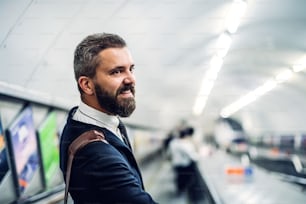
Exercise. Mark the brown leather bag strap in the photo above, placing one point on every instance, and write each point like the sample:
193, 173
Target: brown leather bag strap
77, 144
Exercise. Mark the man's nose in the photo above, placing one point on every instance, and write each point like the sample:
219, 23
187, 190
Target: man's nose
129, 78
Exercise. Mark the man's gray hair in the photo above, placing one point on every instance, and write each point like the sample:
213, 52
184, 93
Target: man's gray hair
86, 58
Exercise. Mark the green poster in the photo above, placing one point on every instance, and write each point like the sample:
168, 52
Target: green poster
49, 144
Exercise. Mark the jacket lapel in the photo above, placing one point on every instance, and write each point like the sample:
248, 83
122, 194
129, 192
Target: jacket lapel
124, 150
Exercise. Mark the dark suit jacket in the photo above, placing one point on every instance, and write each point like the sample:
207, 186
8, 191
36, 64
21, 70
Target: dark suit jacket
102, 173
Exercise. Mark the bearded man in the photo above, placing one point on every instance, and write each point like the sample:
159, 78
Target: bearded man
103, 172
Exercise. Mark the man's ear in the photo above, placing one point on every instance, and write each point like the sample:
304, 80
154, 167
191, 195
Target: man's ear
86, 85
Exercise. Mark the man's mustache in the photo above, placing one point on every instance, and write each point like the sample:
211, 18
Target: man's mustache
128, 87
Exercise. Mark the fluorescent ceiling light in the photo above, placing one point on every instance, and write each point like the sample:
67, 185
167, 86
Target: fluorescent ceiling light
223, 44
199, 105
248, 98
240, 103
266, 87
236, 12
253, 95
207, 85
283, 76
215, 64
300, 66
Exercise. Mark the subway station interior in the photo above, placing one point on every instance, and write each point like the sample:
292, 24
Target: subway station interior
234, 70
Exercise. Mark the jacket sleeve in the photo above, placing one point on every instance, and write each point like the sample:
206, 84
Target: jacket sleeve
101, 174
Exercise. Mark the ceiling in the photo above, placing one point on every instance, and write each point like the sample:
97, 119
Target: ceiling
172, 43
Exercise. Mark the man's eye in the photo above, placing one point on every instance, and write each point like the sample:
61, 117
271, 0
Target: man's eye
116, 72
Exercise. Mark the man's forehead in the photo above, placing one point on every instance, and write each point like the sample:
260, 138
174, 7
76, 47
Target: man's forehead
114, 51
116, 56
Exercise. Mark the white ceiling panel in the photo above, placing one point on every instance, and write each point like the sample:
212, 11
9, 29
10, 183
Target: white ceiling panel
172, 43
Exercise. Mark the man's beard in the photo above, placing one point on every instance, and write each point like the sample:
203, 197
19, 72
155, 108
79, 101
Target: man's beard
122, 107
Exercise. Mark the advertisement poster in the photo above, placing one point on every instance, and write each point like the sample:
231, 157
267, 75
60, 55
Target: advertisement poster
3, 156
49, 147
24, 145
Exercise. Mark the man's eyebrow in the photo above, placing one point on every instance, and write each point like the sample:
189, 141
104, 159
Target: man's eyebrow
122, 67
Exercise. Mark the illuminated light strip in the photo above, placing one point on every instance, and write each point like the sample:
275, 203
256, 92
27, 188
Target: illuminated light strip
253, 95
237, 11
247, 99
207, 85
284, 76
299, 66
223, 44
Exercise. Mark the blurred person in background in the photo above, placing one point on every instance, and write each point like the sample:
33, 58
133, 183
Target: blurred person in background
184, 157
